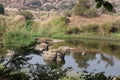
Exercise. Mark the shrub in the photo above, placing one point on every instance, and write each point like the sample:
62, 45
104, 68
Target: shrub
90, 13
89, 28
83, 8
105, 28
17, 38
73, 29
115, 26
58, 25
28, 15
60, 21
2, 11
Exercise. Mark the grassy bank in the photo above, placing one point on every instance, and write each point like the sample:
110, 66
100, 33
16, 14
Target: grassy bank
60, 28
24, 32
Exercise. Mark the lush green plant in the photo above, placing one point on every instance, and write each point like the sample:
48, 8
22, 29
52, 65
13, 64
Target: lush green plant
18, 38
2, 11
58, 25
28, 15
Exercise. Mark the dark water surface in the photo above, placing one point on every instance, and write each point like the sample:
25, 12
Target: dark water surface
93, 56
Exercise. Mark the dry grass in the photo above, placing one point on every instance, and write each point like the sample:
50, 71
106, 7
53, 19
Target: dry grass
78, 20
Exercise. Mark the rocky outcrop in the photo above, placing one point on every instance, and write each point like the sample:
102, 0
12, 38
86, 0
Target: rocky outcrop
56, 54
50, 4
40, 4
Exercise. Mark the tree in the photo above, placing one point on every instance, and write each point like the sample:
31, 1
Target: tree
2, 11
105, 4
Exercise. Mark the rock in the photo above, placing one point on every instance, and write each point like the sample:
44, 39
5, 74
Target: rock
42, 47
54, 54
64, 49
60, 57
43, 40
10, 53
50, 55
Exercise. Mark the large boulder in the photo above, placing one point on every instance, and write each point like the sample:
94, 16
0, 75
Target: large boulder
50, 55
55, 54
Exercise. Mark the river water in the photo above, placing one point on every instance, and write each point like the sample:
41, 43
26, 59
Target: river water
92, 56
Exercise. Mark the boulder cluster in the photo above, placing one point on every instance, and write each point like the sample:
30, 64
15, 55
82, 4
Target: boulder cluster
41, 4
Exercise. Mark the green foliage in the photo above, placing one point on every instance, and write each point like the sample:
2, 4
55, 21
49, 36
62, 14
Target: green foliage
97, 76
58, 25
105, 4
60, 22
28, 15
18, 38
83, 8
2, 11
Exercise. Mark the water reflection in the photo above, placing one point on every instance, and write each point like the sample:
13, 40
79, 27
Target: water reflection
92, 56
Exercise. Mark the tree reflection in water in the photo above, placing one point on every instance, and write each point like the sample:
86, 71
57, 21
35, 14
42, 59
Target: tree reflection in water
83, 60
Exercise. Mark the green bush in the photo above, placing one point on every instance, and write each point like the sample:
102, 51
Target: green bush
60, 21
17, 38
2, 11
83, 8
28, 15
58, 25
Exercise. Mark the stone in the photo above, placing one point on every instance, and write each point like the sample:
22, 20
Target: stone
42, 47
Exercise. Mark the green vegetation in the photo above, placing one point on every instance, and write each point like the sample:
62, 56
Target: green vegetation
83, 8
18, 38
105, 4
2, 11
